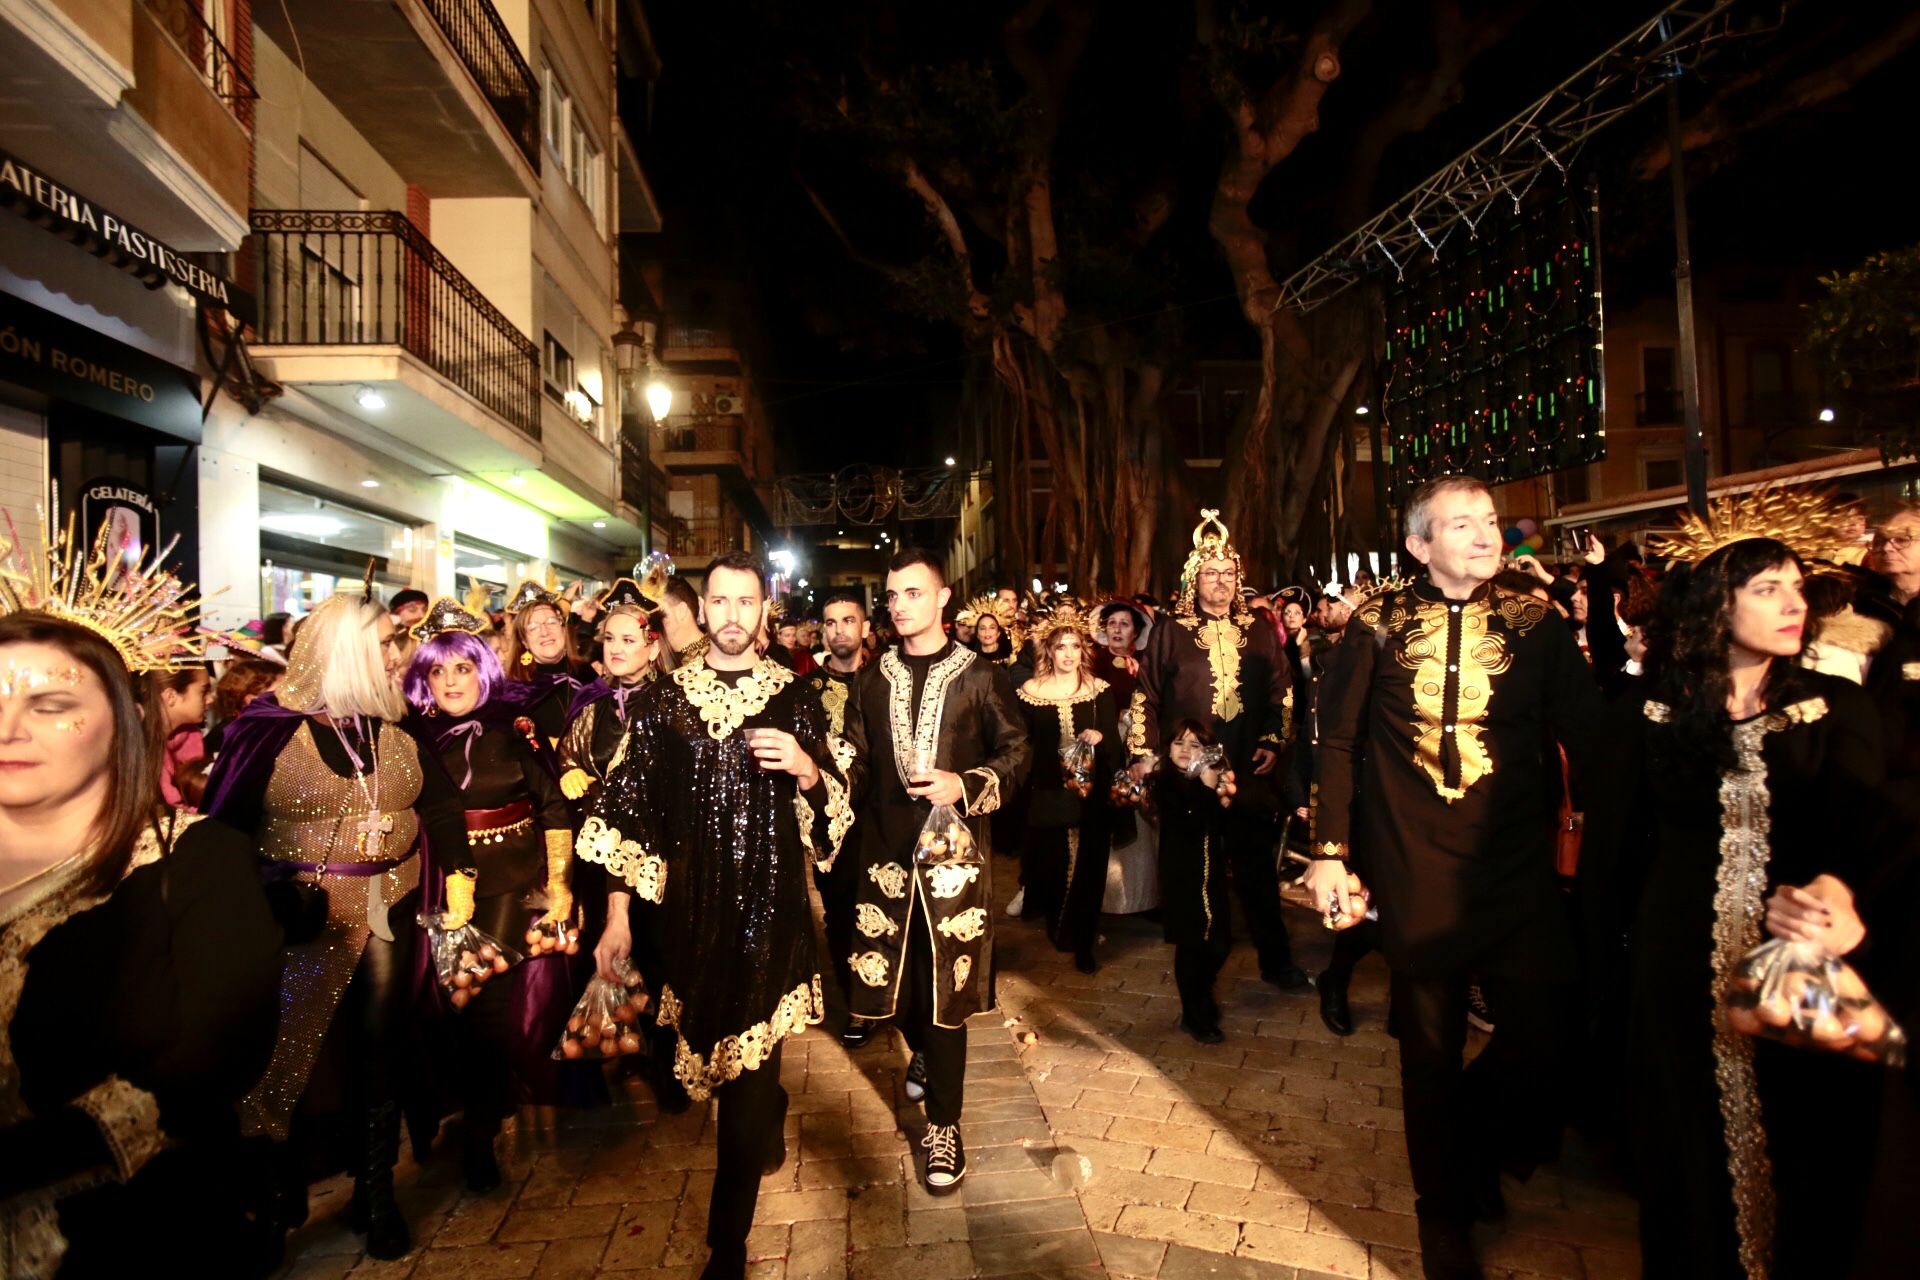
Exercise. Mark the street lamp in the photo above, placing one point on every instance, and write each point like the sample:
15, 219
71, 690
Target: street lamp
1362, 411
949, 460
659, 399
1826, 415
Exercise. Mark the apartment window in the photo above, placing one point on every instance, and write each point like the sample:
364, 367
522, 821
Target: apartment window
1663, 473
573, 146
557, 363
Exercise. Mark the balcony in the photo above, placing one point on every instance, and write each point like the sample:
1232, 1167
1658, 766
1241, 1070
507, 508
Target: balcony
355, 303
437, 86
186, 25
699, 540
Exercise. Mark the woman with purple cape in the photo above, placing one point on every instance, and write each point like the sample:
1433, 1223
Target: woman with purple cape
515, 860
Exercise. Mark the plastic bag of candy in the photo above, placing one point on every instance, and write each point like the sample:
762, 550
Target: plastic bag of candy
1798, 993
1127, 792
465, 959
606, 1020
555, 937
944, 840
1076, 767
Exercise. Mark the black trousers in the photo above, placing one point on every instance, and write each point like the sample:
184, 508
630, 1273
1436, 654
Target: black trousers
1350, 947
838, 892
1195, 965
753, 1116
1465, 1125
1250, 838
945, 1048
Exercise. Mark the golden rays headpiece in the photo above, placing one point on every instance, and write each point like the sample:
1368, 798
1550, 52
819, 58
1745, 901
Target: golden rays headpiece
1002, 611
1805, 519
479, 596
1066, 615
146, 613
1211, 541
446, 614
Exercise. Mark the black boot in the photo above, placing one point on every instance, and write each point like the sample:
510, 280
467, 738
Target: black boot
1334, 1010
1446, 1250
374, 1210
288, 1202
477, 1158
727, 1262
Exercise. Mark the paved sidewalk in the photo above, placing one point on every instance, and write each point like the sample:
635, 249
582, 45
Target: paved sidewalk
1100, 1141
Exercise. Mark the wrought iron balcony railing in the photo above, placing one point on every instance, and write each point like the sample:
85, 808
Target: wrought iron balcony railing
348, 278
481, 39
186, 23
702, 538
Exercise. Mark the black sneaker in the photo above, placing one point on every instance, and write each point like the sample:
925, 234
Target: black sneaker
917, 1078
1204, 1034
1479, 1016
946, 1161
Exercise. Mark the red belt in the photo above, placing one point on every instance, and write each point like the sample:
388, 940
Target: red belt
484, 825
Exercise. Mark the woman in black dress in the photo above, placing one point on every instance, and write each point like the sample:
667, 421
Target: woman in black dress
515, 862
137, 971
1064, 859
1744, 798
541, 653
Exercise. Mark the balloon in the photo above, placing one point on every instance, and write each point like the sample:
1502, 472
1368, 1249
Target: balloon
1511, 535
1524, 549
1528, 526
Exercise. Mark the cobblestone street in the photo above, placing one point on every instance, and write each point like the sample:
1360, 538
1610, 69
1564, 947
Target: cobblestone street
1100, 1140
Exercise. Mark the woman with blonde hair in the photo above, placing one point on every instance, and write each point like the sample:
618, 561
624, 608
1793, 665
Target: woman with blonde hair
331, 790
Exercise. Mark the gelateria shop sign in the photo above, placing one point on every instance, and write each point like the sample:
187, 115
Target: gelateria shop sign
109, 235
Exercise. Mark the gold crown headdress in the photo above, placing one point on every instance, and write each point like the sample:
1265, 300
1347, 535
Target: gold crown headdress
1806, 519
447, 615
1002, 611
146, 613
1211, 541
1066, 615
1357, 597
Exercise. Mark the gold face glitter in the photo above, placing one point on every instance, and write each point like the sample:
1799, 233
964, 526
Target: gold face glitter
18, 679
74, 725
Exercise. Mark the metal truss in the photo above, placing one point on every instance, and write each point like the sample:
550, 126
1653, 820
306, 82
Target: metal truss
869, 495
1508, 161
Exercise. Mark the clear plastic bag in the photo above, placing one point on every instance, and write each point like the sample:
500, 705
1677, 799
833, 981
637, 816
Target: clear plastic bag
1076, 767
605, 1022
1127, 792
555, 937
1212, 758
1797, 993
945, 840
465, 959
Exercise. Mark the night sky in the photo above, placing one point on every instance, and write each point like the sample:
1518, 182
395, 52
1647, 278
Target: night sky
846, 376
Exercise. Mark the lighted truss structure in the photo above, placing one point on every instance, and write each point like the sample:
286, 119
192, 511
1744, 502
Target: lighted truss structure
1508, 161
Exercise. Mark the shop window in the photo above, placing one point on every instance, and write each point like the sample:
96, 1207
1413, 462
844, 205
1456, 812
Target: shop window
312, 547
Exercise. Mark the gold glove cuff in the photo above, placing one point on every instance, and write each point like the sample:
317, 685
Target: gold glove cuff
559, 855
1329, 851
460, 896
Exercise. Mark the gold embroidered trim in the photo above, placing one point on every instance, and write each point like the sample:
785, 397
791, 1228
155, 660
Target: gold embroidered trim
1739, 903
989, 798
1223, 639
1483, 655
839, 811
1073, 855
1137, 723
602, 845
921, 738
1085, 693
1206, 873
873, 922
962, 970
891, 877
871, 968
1520, 613
746, 1051
949, 879
1336, 849
1806, 711
498, 835
725, 707
129, 1123
966, 926
833, 700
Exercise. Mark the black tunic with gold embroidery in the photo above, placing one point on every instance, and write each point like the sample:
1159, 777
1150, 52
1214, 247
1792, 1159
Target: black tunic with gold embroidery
690, 820
1229, 673
1449, 708
961, 707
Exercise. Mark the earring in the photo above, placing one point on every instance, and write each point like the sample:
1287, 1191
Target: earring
434, 710
526, 658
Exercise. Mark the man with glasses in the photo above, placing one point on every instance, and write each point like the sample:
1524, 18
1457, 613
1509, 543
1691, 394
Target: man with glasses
1894, 677
1212, 661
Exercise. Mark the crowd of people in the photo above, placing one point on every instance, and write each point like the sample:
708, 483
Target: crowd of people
1569, 806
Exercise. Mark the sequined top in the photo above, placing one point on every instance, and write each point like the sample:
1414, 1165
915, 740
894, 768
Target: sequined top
690, 820
314, 815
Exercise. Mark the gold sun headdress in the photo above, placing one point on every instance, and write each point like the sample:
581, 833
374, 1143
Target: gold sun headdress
146, 613
1066, 615
1001, 611
1806, 519
1211, 541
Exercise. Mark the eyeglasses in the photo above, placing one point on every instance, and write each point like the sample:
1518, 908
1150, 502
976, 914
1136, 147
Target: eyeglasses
1218, 575
544, 624
1897, 541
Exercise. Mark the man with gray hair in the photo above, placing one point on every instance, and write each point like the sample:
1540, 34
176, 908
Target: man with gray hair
1438, 711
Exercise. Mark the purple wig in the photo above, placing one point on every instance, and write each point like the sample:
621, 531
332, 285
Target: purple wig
443, 648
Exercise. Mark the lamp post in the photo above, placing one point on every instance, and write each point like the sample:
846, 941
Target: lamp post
634, 353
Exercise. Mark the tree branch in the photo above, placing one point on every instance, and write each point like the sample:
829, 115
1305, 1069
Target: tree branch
949, 227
